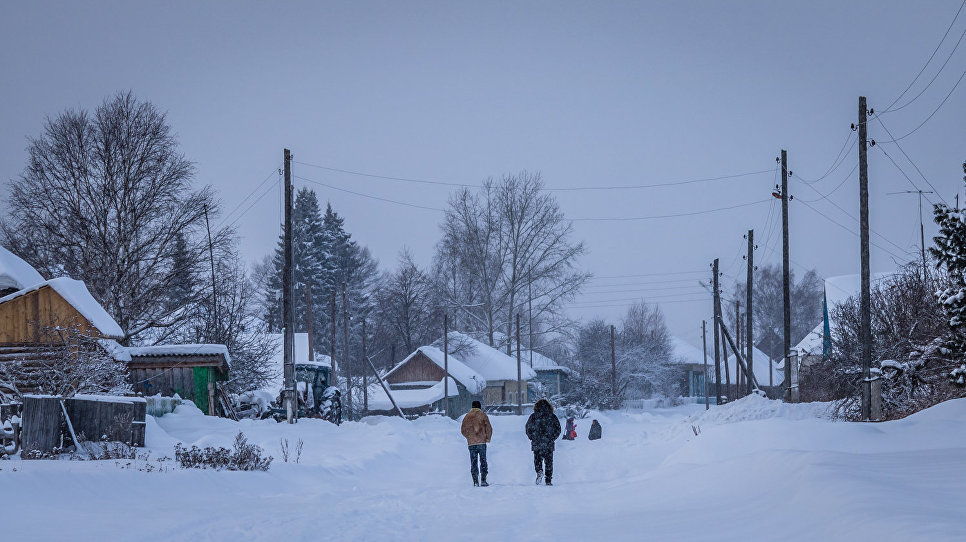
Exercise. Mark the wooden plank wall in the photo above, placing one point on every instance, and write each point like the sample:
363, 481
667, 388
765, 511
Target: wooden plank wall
22, 318
418, 369
41, 423
164, 380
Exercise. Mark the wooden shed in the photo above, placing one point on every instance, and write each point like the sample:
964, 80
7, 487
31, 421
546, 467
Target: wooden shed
417, 384
191, 371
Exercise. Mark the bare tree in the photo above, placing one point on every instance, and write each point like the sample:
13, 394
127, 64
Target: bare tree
407, 311
72, 362
106, 197
499, 245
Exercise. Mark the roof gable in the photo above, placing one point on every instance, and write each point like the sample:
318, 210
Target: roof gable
15, 272
473, 381
486, 360
76, 294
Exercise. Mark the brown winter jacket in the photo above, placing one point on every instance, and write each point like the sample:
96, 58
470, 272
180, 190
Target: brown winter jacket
476, 427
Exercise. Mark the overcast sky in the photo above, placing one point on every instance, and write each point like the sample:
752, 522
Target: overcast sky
588, 94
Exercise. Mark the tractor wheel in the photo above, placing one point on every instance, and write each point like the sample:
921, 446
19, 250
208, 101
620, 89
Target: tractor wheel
331, 408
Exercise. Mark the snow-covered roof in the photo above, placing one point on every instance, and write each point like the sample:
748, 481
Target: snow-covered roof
486, 360
472, 380
540, 361
78, 296
378, 400
16, 273
127, 353
760, 364
685, 353
814, 343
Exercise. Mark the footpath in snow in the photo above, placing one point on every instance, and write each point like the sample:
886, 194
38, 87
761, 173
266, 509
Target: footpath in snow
756, 470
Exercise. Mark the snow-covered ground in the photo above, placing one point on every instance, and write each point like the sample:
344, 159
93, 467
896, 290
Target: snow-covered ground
757, 470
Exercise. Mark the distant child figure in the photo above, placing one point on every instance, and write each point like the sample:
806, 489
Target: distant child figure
543, 428
477, 430
594, 431
571, 432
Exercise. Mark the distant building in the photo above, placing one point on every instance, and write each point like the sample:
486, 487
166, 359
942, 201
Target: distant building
551, 378
499, 370
690, 360
417, 385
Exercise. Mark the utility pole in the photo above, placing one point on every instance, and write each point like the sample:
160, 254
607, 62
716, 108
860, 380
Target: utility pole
704, 349
717, 337
613, 363
739, 380
288, 299
922, 227
308, 321
530, 311
519, 372
446, 364
749, 323
865, 300
335, 376
365, 381
214, 293
786, 286
345, 355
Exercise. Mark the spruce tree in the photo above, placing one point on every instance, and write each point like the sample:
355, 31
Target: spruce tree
950, 250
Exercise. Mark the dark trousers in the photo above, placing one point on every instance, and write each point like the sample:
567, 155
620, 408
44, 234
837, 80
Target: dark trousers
543, 462
478, 459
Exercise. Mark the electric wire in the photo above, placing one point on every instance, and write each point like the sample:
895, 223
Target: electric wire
370, 196
889, 108
674, 215
853, 232
839, 160
931, 115
887, 155
896, 141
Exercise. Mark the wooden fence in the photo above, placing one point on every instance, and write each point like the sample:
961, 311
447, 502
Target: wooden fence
93, 418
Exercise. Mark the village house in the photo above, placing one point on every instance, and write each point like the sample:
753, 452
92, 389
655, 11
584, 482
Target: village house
551, 378
417, 386
35, 313
498, 369
690, 361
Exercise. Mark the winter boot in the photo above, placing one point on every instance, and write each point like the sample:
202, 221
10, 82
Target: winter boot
547, 482
476, 481
539, 477
483, 481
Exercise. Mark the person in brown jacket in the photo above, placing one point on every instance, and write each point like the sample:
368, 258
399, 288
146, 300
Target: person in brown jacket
477, 430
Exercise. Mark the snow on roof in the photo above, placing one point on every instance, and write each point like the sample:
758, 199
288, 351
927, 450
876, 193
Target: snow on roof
685, 353
78, 296
16, 273
760, 364
813, 344
180, 350
486, 360
472, 380
541, 362
378, 400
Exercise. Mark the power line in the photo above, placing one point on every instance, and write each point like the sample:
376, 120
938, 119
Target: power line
889, 109
896, 141
839, 160
548, 189
676, 215
360, 194
914, 185
846, 228
250, 194
923, 123
651, 274
834, 190
632, 303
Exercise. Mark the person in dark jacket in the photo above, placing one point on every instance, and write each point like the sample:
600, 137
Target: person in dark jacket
543, 428
594, 431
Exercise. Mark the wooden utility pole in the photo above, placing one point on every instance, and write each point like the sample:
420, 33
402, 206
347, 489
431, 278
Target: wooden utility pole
865, 299
385, 388
519, 371
530, 312
786, 285
613, 363
345, 354
309, 328
724, 356
749, 322
214, 293
717, 338
739, 377
334, 375
446, 364
365, 381
288, 299
704, 349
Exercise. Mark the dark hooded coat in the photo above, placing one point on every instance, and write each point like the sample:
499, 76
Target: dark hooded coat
595, 431
543, 426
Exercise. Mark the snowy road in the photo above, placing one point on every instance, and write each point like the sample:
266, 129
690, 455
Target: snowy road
759, 470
